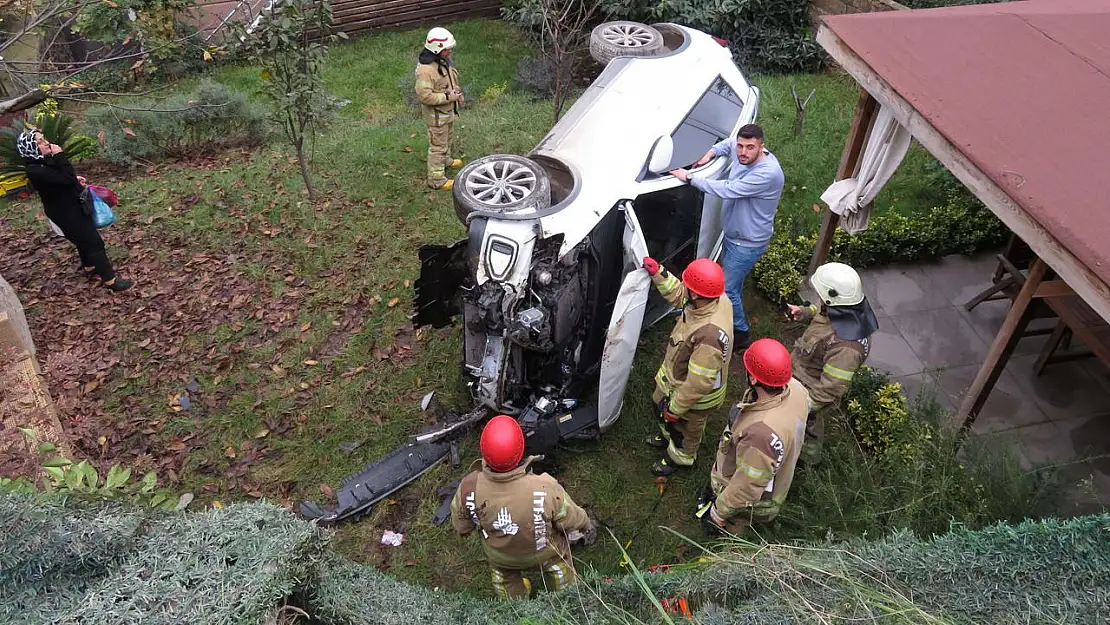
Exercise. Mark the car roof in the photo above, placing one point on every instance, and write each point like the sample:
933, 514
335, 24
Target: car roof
606, 136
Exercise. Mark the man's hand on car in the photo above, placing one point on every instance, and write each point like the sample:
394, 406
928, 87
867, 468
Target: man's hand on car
681, 174
651, 265
705, 159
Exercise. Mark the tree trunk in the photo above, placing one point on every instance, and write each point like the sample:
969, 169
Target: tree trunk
560, 92
799, 122
304, 171
23, 102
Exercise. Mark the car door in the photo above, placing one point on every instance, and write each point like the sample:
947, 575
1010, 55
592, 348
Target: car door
623, 333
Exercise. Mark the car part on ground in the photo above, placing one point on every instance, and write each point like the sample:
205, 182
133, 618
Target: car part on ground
359, 492
546, 422
501, 184
612, 40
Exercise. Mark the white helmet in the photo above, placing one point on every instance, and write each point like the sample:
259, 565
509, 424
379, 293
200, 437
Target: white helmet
439, 39
837, 284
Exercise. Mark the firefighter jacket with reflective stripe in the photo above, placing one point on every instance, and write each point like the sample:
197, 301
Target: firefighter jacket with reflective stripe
433, 81
823, 361
523, 518
694, 373
758, 453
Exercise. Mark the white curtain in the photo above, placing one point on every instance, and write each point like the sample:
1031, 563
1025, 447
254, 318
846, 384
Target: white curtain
851, 198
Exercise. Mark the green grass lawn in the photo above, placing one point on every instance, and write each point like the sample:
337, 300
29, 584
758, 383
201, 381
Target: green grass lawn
316, 358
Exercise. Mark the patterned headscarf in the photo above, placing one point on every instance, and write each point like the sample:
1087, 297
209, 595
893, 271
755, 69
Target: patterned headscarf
27, 146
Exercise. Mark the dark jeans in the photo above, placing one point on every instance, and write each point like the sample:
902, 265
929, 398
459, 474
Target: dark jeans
738, 261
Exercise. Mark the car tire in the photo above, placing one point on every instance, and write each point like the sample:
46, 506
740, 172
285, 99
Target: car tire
499, 184
612, 40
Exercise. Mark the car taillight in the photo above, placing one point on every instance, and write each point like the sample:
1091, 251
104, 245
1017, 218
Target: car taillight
724, 44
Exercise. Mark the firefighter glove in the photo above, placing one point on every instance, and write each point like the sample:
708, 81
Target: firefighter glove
651, 265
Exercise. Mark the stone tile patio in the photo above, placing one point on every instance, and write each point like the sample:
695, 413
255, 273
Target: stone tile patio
929, 343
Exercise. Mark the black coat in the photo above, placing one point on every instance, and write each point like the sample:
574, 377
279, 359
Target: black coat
56, 183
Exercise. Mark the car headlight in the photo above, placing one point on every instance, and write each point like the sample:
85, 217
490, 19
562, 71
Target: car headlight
500, 257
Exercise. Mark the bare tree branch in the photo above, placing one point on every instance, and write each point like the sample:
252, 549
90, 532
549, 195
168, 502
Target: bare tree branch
25, 101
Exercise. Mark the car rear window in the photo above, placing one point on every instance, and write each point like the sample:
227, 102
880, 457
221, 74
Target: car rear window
711, 120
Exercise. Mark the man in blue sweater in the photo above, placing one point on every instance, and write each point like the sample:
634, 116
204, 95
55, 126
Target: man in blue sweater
751, 197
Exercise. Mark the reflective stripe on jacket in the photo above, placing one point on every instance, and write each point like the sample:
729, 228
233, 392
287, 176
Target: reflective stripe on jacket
694, 371
431, 90
522, 517
758, 453
824, 362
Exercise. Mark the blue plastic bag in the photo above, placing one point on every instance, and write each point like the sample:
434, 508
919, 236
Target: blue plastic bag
102, 213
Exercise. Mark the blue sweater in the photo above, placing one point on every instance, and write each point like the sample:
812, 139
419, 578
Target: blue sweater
751, 196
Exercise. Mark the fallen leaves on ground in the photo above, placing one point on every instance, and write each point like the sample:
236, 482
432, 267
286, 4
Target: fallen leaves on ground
132, 350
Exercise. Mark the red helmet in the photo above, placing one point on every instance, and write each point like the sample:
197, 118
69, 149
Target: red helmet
705, 278
768, 362
502, 443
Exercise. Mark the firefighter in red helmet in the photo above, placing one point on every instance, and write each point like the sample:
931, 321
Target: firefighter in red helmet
691, 382
760, 446
523, 518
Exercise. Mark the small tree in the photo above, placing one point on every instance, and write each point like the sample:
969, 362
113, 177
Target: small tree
290, 42
560, 30
565, 29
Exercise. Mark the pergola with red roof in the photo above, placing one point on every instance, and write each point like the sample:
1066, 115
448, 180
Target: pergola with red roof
1013, 99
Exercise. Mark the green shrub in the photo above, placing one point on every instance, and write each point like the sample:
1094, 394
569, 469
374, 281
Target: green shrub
880, 416
56, 127
150, 36
959, 227
889, 464
63, 561
206, 121
767, 36
81, 480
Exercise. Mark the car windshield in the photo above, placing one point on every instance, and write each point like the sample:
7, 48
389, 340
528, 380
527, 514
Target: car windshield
711, 120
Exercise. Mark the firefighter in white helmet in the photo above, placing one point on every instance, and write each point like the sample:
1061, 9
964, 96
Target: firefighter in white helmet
833, 347
440, 95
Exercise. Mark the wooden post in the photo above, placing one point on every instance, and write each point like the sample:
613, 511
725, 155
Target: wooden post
1004, 342
867, 109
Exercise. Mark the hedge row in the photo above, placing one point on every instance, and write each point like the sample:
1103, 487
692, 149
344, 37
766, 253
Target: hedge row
62, 562
959, 227
67, 562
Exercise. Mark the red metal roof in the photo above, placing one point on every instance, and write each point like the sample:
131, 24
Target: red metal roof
1023, 90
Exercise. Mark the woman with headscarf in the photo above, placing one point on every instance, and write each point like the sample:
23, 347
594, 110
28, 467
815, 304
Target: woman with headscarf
52, 176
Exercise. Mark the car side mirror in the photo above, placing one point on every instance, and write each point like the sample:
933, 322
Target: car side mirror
662, 151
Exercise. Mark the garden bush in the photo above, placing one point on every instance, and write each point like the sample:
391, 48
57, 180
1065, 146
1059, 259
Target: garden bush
69, 562
893, 464
204, 122
958, 227
65, 561
767, 36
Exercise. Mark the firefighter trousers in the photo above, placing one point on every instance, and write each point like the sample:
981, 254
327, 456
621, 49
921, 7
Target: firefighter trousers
684, 435
812, 451
513, 583
439, 153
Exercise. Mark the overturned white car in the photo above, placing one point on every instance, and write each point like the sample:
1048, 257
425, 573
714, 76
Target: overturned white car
548, 279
